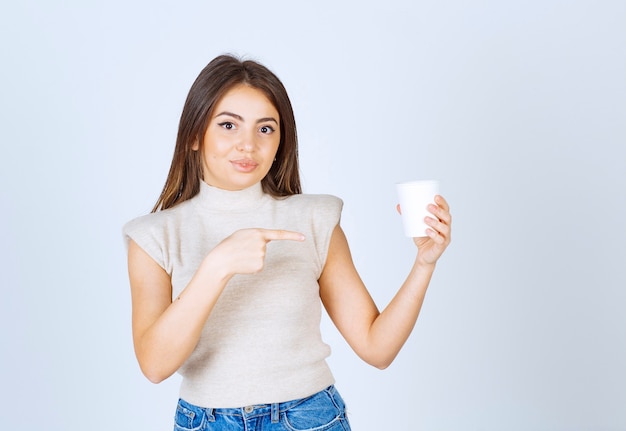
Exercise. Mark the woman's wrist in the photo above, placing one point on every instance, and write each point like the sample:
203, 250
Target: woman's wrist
215, 270
425, 266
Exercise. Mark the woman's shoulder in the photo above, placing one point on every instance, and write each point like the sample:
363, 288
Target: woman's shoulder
158, 219
317, 205
309, 199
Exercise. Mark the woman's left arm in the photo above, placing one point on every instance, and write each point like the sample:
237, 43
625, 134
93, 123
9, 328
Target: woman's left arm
375, 336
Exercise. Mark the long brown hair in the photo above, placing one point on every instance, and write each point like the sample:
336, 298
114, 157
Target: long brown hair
215, 80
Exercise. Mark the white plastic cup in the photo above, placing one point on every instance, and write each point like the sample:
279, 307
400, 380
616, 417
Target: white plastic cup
414, 197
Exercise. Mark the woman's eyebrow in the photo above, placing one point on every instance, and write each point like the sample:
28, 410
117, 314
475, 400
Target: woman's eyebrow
230, 114
240, 118
263, 120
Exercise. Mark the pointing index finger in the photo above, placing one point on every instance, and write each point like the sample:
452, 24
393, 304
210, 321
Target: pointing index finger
280, 234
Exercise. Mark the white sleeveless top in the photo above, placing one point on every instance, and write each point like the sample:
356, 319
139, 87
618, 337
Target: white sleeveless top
262, 342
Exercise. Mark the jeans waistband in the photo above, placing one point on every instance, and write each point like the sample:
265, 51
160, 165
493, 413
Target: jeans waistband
273, 409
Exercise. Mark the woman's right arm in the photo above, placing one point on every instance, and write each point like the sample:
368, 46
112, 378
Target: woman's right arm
165, 332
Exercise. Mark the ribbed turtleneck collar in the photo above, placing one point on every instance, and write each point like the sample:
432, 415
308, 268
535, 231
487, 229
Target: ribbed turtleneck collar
215, 199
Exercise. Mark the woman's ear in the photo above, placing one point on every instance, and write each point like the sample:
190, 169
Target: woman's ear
196, 145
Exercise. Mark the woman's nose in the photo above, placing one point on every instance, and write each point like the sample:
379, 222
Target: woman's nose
246, 143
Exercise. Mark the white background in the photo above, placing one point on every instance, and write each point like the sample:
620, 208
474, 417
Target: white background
517, 107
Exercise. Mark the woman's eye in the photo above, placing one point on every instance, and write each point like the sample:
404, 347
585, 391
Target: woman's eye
227, 125
266, 129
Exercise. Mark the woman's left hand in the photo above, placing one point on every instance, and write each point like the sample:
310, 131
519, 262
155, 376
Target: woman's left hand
431, 247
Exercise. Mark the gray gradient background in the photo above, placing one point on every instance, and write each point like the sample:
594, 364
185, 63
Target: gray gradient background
518, 107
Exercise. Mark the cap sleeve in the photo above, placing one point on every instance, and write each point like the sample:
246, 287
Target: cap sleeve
327, 216
144, 231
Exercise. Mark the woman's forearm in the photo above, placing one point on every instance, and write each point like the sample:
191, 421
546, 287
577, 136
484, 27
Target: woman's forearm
165, 345
392, 327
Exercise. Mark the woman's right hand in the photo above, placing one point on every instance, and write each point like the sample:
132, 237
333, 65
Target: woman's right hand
244, 251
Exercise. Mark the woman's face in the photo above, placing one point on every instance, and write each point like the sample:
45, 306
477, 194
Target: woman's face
241, 139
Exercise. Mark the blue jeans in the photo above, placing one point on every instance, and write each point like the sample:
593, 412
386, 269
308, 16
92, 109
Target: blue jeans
324, 411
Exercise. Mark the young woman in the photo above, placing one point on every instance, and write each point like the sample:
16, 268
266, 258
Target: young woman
229, 271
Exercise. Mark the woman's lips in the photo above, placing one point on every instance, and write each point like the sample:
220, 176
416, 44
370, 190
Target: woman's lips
244, 165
